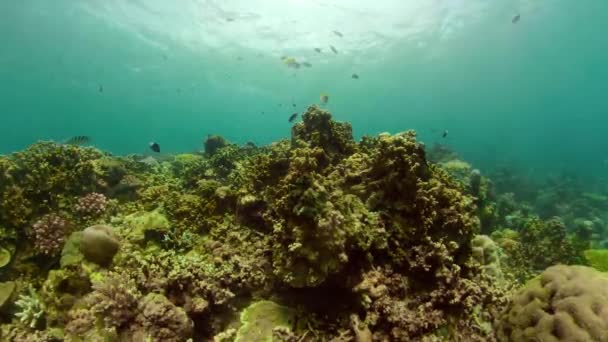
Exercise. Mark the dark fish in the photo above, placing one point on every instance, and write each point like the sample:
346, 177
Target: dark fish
100, 88
306, 64
333, 49
324, 98
516, 19
293, 117
229, 19
78, 140
250, 144
155, 147
355, 76
445, 134
338, 33
239, 58
318, 50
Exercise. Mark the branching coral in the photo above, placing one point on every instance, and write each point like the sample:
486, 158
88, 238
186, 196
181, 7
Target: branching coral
31, 308
91, 205
49, 234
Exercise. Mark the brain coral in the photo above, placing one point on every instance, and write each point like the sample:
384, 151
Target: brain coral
565, 303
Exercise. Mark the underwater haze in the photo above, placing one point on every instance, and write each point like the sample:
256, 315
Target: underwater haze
528, 94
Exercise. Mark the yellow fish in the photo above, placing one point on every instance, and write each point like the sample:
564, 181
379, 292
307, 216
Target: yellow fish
324, 98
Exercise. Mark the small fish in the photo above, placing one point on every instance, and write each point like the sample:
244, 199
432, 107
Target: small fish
155, 147
355, 76
250, 144
229, 19
293, 105
100, 88
338, 33
78, 140
239, 58
324, 98
318, 50
290, 62
445, 134
306, 64
516, 19
333, 49
293, 117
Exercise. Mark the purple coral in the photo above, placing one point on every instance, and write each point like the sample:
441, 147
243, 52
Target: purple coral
49, 234
91, 205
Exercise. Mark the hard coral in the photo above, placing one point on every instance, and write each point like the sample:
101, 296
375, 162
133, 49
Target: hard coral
160, 320
92, 205
542, 244
317, 129
49, 234
565, 303
114, 300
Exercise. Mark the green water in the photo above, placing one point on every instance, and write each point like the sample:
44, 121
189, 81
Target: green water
530, 94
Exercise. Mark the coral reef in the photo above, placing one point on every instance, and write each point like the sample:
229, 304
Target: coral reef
565, 303
541, 244
358, 241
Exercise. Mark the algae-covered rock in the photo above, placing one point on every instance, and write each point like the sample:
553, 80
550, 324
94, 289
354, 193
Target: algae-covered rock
143, 226
597, 258
99, 244
260, 318
71, 254
7, 289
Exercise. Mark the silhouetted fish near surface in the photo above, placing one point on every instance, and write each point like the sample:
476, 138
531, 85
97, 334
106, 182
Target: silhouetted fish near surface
333, 49
155, 147
78, 140
293, 117
445, 134
355, 76
338, 33
318, 50
516, 19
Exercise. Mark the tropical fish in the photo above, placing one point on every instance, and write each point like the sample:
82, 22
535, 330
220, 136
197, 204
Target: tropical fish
78, 140
445, 134
355, 76
293, 117
318, 50
290, 62
338, 33
306, 64
516, 19
333, 49
155, 147
324, 98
